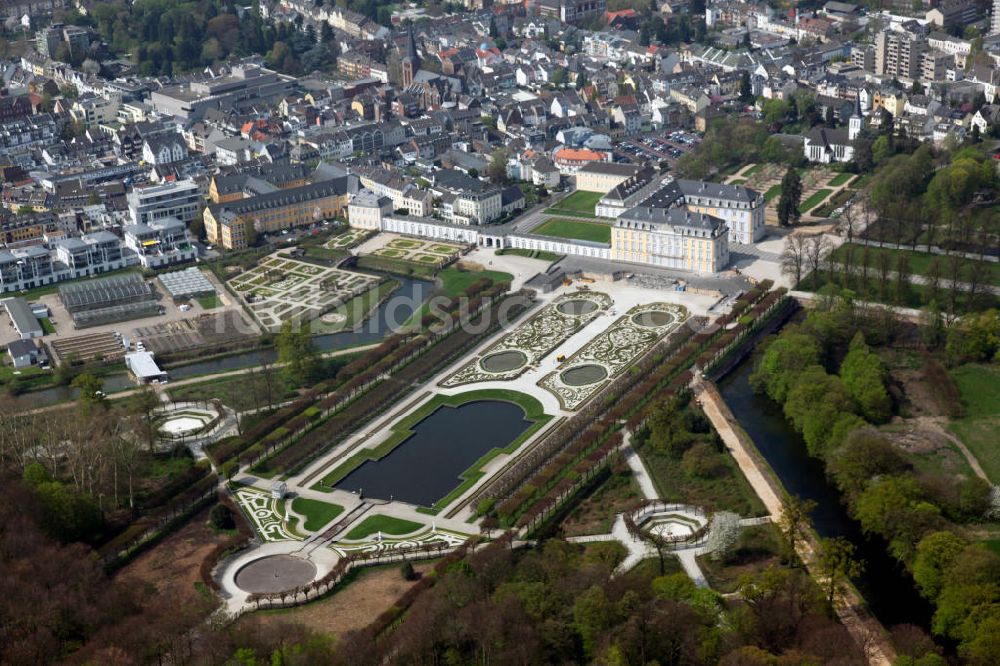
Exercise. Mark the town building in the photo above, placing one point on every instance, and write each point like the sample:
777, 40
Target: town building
245, 86
160, 242
181, 199
22, 318
825, 145
603, 177
236, 224
367, 209
899, 54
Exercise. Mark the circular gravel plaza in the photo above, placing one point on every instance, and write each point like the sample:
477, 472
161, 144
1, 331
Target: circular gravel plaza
577, 306
275, 573
504, 361
653, 318
582, 375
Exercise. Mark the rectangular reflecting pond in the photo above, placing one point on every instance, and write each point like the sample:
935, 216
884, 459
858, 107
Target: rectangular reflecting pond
428, 465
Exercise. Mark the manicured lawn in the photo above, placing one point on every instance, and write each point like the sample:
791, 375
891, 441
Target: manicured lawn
917, 295
317, 513
919, 261
840, 179
325, 253
738, 181
814, 200
579, 202
837, 200
980, 389
575, 229
532, 254
772, 192
861, 181
384, 524
209, 302
47, 326
752, 170
454, 281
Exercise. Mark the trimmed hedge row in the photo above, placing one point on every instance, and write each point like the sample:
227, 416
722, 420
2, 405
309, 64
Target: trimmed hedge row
230, 448
360, 372
148, 529
244, 534
431, 358
628, 401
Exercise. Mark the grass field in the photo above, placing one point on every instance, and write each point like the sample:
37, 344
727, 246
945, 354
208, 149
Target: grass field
47, 326
834, 202
579, 202
813, 201
980, 389
916, 295
919, 261
317, 513
727, 490
752, 170
861, 181
575, 229
773, 192
241, 392
531, 254
455, 281
383, 524
209, 302
840, 179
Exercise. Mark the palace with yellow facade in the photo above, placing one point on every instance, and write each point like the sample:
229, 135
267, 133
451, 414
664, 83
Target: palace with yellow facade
235, 224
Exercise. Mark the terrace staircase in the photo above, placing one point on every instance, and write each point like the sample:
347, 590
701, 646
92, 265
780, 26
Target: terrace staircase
320, 539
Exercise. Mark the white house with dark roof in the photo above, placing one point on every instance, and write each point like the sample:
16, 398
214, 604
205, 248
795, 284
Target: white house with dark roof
163, 149
825, 145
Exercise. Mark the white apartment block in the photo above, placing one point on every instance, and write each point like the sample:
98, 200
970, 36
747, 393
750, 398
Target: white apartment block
160, 243
182, 200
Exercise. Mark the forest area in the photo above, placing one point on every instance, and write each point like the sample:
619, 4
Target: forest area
837, 375
166, 38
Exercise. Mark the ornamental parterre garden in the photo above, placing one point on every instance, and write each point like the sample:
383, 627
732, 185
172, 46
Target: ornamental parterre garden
279, 289
523, 347
608, 354
390, 494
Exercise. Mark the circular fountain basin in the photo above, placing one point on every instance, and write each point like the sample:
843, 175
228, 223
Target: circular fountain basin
182, 425
582, 375
577, 306
504, 361
671, 529
653, 318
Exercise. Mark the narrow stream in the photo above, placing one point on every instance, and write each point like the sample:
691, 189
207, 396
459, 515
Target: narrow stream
885, 584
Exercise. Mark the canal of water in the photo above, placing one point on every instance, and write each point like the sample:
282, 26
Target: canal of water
428, 464
885, 584
390, 316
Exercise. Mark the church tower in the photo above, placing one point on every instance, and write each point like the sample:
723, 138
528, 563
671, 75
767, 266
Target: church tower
856, 122
411, 61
